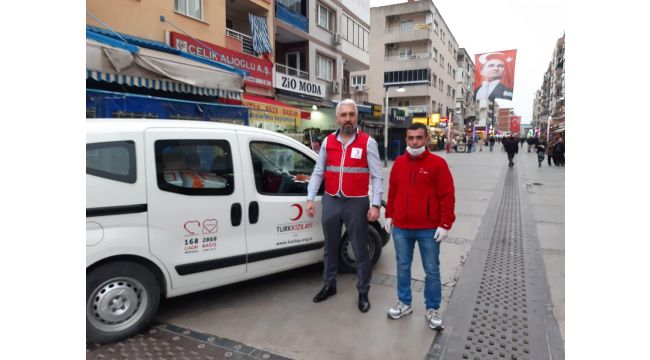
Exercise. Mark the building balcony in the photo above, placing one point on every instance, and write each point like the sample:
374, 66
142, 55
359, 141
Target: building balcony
290, 17
423, 55
395, 35
283, 69
240, 42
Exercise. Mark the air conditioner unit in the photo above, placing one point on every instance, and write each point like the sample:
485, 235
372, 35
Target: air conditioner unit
336, 39
335, 87
359, 87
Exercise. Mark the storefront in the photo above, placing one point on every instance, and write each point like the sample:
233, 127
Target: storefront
128, 76
272, 115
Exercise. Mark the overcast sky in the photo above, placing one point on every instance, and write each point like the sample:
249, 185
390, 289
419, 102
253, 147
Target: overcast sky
530, 26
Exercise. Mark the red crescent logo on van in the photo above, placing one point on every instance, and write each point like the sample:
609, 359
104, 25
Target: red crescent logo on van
299, 212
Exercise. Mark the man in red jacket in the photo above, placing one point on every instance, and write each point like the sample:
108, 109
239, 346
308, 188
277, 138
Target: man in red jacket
420, 209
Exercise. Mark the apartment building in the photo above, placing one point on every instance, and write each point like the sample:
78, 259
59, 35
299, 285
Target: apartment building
318, 44
412, 48
183, 59
549, 98
465, 109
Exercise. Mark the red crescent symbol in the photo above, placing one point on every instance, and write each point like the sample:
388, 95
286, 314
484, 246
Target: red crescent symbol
299, 212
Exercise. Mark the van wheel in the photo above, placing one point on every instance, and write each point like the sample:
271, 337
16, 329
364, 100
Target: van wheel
121, 299
347, 263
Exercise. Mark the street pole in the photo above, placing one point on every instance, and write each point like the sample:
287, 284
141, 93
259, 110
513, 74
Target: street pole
386, 129
548, 129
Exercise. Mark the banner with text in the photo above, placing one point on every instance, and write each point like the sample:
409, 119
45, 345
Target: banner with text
260, 70
298, 85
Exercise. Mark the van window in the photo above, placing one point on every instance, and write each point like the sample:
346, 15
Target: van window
279, 169
114, 160
195, 167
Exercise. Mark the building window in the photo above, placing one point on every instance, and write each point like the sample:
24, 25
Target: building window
434, 80
297, 6
419, 76
406, 54
359, 80
435, 54
406, 25
324, 68
191, 8
435, 27
326, 17
442, 85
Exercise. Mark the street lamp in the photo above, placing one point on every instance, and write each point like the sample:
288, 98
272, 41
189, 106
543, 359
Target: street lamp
401, 90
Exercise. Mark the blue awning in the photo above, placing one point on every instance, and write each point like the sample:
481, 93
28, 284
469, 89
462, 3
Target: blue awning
111, 104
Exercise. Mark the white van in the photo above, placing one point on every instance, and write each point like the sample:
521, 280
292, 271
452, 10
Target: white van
174, 207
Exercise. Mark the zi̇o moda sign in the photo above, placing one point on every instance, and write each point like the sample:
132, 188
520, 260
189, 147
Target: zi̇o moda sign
298, 85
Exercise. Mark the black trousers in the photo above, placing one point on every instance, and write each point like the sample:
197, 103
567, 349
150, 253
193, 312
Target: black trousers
354, 213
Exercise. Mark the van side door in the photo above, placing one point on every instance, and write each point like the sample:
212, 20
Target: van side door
195, 196
279, 233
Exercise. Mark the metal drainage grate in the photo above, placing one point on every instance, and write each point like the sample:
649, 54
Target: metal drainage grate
500, 305
166, 341
499, 325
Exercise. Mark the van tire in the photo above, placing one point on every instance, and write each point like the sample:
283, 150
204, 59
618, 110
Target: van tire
129, 293
346, 261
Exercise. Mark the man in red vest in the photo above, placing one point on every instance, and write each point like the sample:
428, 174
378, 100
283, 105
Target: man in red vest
420, 210
348, 161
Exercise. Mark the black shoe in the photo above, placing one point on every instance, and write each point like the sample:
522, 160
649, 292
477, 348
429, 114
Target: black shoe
324, 293
364, 303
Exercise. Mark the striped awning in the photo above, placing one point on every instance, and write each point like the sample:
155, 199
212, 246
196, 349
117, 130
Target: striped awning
160, 84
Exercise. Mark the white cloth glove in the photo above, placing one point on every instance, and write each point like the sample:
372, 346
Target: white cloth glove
440, 235
389, 225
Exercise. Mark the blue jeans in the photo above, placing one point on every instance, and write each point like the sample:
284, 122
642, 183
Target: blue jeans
404, 240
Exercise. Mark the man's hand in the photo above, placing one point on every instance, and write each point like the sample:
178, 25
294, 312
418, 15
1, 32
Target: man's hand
440, 235
310, 208
373, 214
389, 225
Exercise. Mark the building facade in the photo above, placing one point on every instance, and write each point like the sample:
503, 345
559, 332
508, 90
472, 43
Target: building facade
411, 46
549, 98
318, 44
465, 109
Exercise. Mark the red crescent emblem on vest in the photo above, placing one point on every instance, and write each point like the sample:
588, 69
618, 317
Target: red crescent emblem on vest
299, 212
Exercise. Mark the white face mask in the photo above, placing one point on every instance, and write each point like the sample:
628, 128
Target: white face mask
415, 152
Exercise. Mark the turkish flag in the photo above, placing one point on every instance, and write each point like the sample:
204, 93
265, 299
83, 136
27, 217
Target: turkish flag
515, 124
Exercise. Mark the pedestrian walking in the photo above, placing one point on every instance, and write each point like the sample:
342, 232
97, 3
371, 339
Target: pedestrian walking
510, 146
540, 148
348, 161
470, 142
492, 141
522, 141
558, 152
549, 150
420, 210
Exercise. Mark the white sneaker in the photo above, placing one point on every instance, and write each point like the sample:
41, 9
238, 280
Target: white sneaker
434, 320
399, 310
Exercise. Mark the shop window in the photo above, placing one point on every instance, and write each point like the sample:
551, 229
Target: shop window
192, 8
113, 160
280, 170
194, 167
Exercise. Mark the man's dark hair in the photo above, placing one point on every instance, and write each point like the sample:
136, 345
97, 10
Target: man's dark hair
416, 126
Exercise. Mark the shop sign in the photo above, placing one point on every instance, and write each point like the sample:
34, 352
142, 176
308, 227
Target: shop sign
376, 110
298, 85
434, 119
260, 71
262, 113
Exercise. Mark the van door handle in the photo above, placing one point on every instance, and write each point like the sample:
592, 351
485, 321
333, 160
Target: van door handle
253, 212
235, 214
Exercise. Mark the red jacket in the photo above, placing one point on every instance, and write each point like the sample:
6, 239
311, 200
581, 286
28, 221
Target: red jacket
347, 170
421, 192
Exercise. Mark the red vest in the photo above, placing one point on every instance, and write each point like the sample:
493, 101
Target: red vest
347, 171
